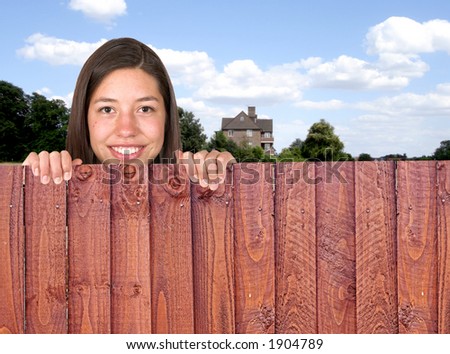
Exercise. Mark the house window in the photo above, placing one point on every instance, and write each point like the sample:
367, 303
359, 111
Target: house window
266, 147
230, 133
249, 133
242, 118
267, 134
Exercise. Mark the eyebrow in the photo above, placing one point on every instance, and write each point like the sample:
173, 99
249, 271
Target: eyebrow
142, 99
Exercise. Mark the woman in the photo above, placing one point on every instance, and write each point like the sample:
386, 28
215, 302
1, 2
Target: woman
124, 109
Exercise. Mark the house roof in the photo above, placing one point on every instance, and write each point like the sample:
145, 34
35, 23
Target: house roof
243, 122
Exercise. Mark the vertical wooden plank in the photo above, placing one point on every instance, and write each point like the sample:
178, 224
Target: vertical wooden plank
443, 175
417, 246
254, 248
89, 250
335, 213
213, 240
130, 250
171, 251
11, 250
45, 271
376, 252
295, 245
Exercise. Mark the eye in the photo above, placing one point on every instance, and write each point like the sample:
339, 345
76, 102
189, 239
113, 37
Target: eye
146, 109
106, 110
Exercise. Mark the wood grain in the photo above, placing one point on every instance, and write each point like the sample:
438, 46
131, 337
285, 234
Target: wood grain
254, 248
417, 247
335, 213
130, 250
89, 250
443, 203
213, 240
45, 271
295, 249
11, 250
171, 251
376, 248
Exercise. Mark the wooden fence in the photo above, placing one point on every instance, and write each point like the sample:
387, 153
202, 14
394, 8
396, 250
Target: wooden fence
280, 248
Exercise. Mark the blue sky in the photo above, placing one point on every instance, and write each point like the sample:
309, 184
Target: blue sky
378, 71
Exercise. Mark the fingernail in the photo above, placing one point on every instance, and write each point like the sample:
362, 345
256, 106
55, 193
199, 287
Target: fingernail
36, 172
45, 179
67, 176
58, 180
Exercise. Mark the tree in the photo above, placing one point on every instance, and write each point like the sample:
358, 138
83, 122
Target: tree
13, 111
292, 153
443, 151
221, 143
192, 137
47, 122
322, 143
365, 157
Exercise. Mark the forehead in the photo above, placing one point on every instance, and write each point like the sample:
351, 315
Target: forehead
127, 81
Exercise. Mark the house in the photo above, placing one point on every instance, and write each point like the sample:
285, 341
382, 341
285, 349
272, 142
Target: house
246, 128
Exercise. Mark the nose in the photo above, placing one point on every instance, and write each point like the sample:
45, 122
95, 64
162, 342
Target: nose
126, 125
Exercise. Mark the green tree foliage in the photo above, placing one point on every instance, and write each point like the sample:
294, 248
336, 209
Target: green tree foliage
13, 111
365, 157
47, 123
292, 153
443, 151
29, 123
323, 144
192, 137
242, 153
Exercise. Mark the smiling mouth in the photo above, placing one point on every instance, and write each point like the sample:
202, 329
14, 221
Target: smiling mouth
126, 152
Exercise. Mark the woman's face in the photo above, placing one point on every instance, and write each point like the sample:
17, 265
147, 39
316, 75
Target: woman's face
126, 117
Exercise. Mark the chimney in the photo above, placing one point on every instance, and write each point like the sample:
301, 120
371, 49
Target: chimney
252, 113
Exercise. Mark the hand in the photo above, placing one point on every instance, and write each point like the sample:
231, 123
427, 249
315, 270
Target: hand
55, 165
207, 168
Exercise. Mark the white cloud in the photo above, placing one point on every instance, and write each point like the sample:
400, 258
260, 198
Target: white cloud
103, 11
243, 81
190, 68
321, 105
435, 103
406, 36
57, 51
354, 74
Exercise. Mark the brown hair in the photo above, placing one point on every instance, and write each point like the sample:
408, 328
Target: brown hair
119, 54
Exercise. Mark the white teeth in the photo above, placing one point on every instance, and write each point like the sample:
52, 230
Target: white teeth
125, 150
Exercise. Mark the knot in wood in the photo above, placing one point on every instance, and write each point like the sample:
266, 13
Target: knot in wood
83, 172
175, 183
129, 171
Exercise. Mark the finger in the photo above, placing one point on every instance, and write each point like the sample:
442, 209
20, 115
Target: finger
199, 162
44, 167
224, 159
212, 169
186, 159
67, 164
32, 160
56, 167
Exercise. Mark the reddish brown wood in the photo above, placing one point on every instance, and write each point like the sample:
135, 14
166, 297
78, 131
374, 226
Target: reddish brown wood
45, 274
336, 283
89, 250
254, 248
213, 237
443, 203
171, 251
11, 250
130, 250
376, 251
417, 247
295, 245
